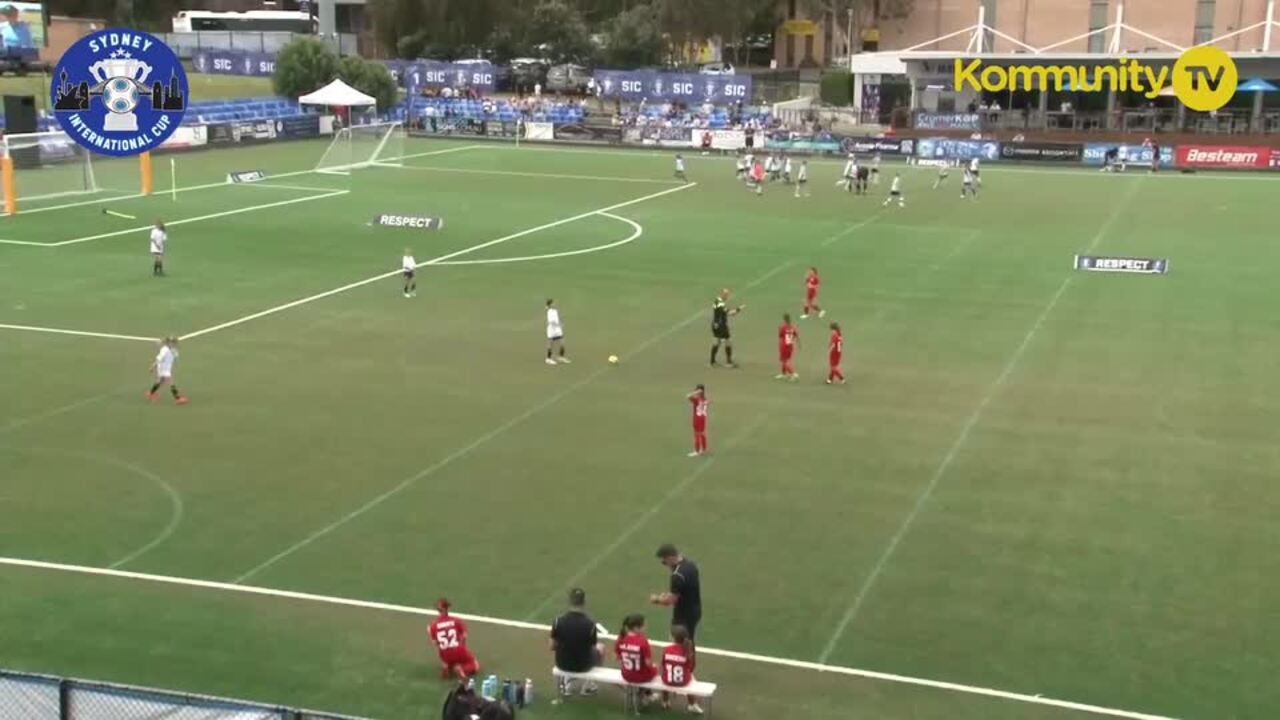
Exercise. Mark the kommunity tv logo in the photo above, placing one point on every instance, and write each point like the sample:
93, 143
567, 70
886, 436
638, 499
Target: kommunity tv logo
1203, 78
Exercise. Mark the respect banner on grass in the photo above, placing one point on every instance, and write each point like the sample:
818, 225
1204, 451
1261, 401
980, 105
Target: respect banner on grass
1133, 154
1224, 157
674, 87
234, 62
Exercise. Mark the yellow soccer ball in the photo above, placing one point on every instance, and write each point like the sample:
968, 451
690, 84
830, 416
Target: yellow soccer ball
613, 359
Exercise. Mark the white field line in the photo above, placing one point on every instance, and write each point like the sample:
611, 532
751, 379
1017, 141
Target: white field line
281, 186
81, 333
704, 464
637, 231
552, 176
23, 242
961, 440
492, 434
542, 629
434, 261
38, 417
223, 183
1167, 172
202, 218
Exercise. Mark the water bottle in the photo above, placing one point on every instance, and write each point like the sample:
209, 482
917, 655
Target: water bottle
528, 691
508, 692
489, 689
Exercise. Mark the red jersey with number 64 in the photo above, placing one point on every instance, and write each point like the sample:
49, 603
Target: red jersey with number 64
450, 638
699, 403
677, 666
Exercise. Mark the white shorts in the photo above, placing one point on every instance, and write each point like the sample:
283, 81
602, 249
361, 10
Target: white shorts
164, 374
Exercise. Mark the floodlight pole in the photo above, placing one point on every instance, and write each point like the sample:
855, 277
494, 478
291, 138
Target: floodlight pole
981, 32
1117, 37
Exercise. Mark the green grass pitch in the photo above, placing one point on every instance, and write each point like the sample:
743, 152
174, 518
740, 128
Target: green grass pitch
1040, 481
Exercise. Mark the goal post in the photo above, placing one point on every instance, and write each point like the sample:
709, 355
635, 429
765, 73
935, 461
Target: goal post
45, 166
363, 146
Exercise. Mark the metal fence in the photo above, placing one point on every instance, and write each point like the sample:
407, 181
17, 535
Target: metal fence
1129, 120
186, 43
26, 696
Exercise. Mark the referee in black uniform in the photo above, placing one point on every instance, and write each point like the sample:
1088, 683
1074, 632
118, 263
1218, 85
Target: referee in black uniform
684, 595
720, 313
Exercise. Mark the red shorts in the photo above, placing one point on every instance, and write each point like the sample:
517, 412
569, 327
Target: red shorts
640, 677
464, 661
785, 352
835, 359
811, 295
699, 426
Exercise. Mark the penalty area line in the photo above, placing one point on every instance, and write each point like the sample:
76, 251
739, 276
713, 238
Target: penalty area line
441, 260
520, 625
81, 333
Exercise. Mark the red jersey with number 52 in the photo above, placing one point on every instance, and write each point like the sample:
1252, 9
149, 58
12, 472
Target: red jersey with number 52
450, 638
677, 666
837, 344
699, 403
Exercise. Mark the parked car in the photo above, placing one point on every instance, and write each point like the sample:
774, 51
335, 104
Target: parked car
717, 68
570, 79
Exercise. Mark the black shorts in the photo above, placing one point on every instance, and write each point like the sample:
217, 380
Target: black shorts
975, 173
408, 274
689, 623
720, 333
863, 173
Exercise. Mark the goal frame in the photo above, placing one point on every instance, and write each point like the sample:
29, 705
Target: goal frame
346, 134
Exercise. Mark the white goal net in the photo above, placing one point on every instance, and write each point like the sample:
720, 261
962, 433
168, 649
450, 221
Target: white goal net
363, 146
49, 165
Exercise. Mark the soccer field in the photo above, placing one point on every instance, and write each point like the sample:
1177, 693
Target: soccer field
1044, 493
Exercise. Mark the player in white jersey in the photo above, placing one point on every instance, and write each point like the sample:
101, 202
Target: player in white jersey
408, 266
742, 168
973, 168
944, 171
555, 335
802, 179
680, 168
159, 238
850, 172
969, 188
895, 192
163, 368
875, 169
786, 169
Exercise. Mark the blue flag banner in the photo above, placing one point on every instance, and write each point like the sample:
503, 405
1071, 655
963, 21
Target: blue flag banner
234, 62
674, 87
436, 74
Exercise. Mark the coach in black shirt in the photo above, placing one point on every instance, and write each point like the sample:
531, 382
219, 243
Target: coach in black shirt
574, 638
684, 596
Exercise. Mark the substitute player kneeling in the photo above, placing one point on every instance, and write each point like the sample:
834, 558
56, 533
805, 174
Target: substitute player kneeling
449, 635
163, 368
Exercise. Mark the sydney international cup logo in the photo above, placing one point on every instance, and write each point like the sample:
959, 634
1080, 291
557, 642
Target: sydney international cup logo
119, 92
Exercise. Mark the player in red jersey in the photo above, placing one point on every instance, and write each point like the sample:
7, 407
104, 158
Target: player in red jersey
635, 656
677, 666
449, 635
811, 283
835, 351
698, 399
788, 341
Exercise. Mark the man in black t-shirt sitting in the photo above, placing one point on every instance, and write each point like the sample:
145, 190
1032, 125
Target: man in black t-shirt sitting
575, 641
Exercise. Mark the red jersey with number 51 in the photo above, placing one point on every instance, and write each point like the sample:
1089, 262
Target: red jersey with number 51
450, 638
677, 666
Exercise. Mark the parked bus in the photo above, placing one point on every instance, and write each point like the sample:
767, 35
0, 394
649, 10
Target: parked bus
255, 20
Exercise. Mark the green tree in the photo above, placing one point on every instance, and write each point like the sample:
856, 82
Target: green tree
370, 78
302, 66
635, 38
560, 30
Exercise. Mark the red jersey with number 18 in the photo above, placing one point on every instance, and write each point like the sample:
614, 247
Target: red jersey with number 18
677, 666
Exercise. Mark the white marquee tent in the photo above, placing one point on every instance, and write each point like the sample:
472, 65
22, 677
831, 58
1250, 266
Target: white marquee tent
337, 94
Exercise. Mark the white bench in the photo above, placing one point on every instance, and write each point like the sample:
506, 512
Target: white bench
631, 691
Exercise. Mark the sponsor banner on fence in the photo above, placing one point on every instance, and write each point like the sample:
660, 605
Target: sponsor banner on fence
1132, 154
219, 133
234, 62
409, 222
661, 137
577, 132
1226, 157
414, 74
249, 131
1275, 159
186, 136
299, 126
502, 129
948, 121
884, 146
539, 131
246, 176
1051, 152
1144, 266
820, 144
719, 139
955, 149
686, 87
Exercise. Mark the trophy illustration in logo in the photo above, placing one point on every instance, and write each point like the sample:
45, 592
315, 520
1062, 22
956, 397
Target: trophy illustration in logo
121, 79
